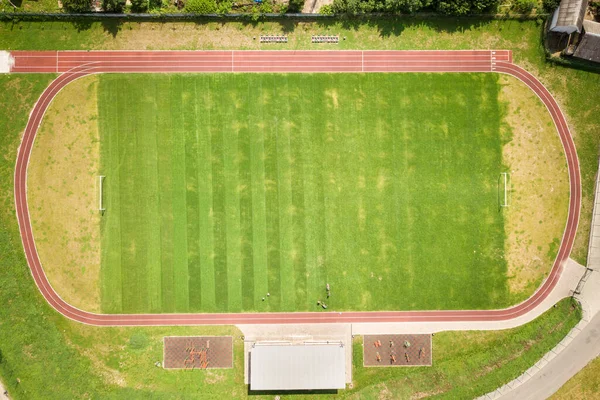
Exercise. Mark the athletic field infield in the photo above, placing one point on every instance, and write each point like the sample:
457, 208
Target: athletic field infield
222, 190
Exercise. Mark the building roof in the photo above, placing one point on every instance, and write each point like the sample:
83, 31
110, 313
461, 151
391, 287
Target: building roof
569, 16
297, 367
591, 27
589, 46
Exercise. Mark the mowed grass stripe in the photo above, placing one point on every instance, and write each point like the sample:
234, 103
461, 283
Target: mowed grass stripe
218, 190
151, 194
382, 185
284, 187
245, 133
232, 199
314, 198
272, 201
204, 125
110, 273
165, 185
180, 261
256, 117
298, 162
189, 101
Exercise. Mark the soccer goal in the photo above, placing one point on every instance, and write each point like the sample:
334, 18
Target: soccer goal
100, 193
503, 192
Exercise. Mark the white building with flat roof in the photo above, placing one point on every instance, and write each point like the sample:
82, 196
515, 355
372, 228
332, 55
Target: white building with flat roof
297, 366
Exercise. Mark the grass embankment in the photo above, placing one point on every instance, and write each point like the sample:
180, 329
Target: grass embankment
221, 188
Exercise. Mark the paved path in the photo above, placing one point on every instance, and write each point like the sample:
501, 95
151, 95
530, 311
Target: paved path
76, 64
583, 348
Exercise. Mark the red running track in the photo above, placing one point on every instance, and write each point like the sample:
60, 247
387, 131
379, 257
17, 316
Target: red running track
75, 64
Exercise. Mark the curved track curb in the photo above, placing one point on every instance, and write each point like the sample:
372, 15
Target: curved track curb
74, 65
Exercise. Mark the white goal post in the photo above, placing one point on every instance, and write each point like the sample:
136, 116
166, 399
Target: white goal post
100, 188
505, 200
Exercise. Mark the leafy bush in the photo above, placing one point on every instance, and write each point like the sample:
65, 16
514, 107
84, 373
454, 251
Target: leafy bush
201, 6
266, 7
139, 6
355, 7
454, 7
224, 7
326, 9
295, 6
464, 7
115, 6
524, 6
550, 5
138, 341
406, 6
77, 5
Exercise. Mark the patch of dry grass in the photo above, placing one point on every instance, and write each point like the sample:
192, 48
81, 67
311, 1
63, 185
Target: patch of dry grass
539, 188
62, 193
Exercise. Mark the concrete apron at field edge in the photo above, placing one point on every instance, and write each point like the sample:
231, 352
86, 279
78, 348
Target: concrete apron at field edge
6, 63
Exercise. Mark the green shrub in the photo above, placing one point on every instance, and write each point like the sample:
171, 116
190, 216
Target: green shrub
138, 341
295, 6
201, 6
406, 6
266, 7
326, 9
550, 5
114, 6
524, 6
454, 7
77, 5
224, 7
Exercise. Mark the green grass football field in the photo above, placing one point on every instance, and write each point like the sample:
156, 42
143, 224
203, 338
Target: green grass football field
222, 188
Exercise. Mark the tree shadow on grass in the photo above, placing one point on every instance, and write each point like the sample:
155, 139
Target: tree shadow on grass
385, 26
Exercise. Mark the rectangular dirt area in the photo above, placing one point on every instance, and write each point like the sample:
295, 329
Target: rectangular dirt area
397, 350
198, 352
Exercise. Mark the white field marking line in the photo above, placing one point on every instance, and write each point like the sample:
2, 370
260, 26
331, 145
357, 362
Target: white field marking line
228, 317
57, 62
232, 57
362, 60
505, 190
100, 205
